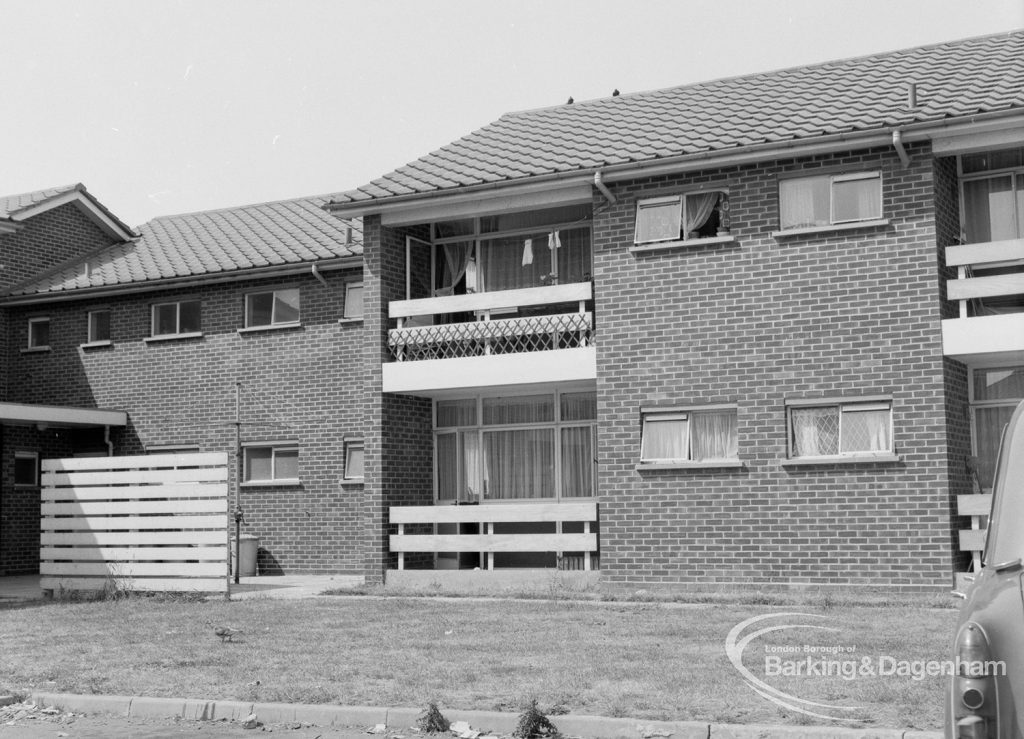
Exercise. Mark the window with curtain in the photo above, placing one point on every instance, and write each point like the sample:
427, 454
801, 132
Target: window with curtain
995, 392
840, 429
689, 436
824, 200
992, 187
679, 217
534, 259
524, 447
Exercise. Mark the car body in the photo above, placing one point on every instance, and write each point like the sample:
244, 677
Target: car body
986, 691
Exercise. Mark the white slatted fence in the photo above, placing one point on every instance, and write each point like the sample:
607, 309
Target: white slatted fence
147, 523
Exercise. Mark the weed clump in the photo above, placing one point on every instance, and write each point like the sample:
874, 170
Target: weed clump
432, 721
534, 725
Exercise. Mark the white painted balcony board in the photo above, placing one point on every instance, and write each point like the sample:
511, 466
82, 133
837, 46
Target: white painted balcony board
985, 287
980, 254
987, 338
493, 543
495, 513
548, 295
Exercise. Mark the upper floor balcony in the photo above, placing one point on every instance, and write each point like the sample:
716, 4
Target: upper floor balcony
990, 291
486, 339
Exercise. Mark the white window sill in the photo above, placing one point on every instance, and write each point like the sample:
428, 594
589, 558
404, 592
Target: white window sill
829, 229
269, 327
353, 481
358, 319
173, 337
723, 464
96, 344
35, 349
282, 483
664, 245
842, 459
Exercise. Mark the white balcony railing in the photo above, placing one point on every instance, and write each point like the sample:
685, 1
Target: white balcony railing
441, 338
990, 290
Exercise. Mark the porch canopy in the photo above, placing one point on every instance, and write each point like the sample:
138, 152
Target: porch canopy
51, 416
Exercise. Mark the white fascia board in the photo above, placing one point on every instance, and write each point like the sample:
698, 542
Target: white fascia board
18, 413
86, 205
982, 138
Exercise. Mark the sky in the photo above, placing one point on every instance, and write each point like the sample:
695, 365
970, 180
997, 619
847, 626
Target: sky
173, 106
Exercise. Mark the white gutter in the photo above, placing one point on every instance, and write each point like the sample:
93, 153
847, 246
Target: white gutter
897, 142
599, 184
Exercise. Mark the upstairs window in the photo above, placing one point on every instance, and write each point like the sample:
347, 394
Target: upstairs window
698, 215
840, 429
171, 319
273, 308
39, 333
353, 459
99, 326
827, 200
354, 300
992, 186
683, 436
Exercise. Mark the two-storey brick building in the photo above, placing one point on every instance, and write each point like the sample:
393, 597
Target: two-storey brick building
753, 331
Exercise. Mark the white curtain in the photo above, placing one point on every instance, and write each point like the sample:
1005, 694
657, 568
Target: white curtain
698, 209
513, 262
665, 439
519, 464
574, 259
714, 436
989, 210
577, 462
804, 202
456, 260
815, 431
447, 467
866, 431
579, 406
519, 409
857, 199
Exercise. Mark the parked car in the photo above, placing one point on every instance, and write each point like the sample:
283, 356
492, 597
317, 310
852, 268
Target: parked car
986, 696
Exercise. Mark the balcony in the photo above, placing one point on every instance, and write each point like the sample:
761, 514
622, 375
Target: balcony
990, 290
538, 338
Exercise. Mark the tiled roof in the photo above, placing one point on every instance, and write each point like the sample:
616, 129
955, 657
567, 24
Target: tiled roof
12, 205
15, 207
211, 242
954, 80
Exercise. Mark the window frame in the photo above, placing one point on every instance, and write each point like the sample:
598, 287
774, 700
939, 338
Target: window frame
154, 334
680, 200
273, 309
833, 177
90, 336
275, 448
347, 315
32, 340
34, 456
1015, 173
975, 405
842, 405
661, 414
351, 444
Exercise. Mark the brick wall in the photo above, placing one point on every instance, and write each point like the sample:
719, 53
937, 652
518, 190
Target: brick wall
299, 385
47, 240
753, 323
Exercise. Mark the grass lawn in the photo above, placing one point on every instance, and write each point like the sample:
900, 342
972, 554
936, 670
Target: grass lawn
654, 661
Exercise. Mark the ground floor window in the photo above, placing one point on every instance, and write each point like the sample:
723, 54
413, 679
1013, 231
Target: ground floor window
995, 392
26, 469
689, 435
840, 429
272, 463
524, 447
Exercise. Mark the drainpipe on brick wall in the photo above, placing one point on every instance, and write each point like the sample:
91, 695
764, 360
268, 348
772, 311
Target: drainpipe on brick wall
599, 184
316, 274
897, 142
107, 441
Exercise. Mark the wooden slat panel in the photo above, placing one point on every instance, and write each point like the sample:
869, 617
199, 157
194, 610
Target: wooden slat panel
183, 585
197, 459
526, 296
114, 523
972, 540
184, 491
120, 507
134, 538
494, 543
129, 554
974, 505
985, 287
511, 513
134, 477
133, 569
993, 251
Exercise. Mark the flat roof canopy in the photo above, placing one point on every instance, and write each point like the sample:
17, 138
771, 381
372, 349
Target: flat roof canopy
60, 417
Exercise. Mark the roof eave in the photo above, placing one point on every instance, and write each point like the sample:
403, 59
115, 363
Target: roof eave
89, 205
255, 273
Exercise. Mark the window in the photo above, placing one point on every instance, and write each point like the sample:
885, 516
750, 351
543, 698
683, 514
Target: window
992, 191
841, 429
825, 200
99, 326
524, 447
995, 393
271, 463
39, 333
26, 469
275, 308
681, 436
172, 319
698, 215
354, 300
354, 459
